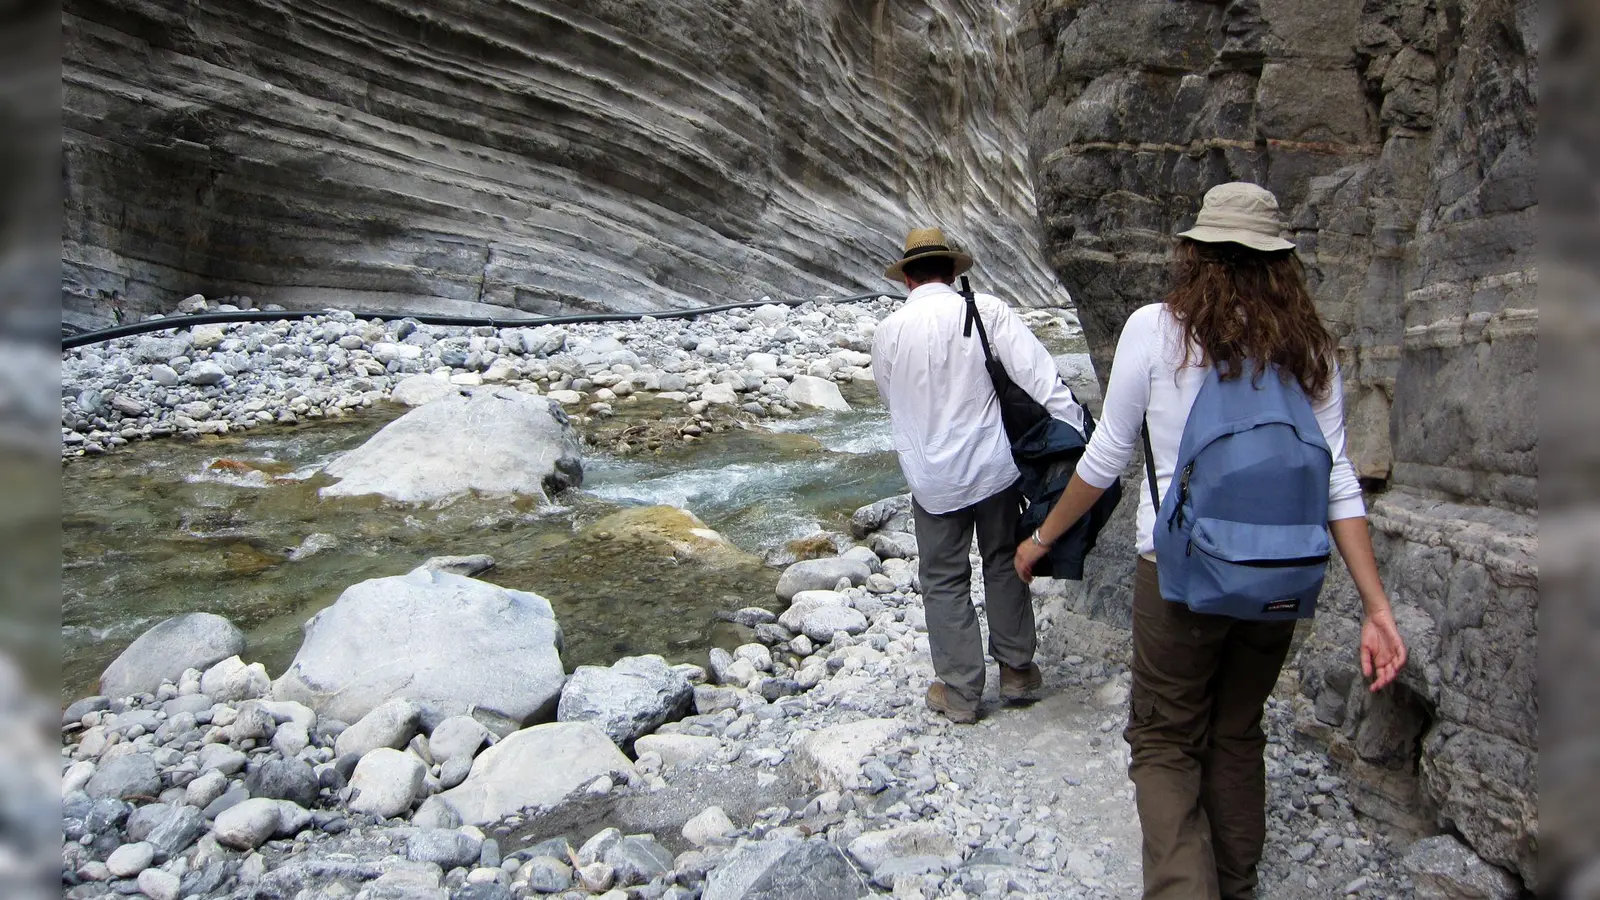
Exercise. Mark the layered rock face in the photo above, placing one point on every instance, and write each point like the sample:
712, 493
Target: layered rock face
534, 156
1398, 136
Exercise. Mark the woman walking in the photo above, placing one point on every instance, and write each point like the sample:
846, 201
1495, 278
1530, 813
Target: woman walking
1239, 307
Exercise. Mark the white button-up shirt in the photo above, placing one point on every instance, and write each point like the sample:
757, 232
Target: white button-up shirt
946, 418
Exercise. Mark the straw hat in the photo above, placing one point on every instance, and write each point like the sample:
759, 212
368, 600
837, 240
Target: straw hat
1242, 213
926, 243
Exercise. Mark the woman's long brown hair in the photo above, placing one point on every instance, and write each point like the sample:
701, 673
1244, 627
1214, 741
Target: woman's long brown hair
1239, 304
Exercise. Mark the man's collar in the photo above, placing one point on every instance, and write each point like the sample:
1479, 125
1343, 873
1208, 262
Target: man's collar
929, 289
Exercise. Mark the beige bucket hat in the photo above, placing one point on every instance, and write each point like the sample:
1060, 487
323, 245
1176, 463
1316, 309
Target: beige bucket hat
923, 243
1242, 213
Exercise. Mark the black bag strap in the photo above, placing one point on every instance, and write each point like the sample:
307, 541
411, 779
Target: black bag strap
972, 316
1150, 465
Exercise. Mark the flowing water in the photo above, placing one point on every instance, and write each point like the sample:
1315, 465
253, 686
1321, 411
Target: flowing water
167, 527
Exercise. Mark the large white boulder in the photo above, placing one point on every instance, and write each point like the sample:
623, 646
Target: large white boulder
832, 757
536, 767
192, 640
497, 441
809, 390
450, 644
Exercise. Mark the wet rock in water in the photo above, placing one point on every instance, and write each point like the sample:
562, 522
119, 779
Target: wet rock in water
467, 566
820, 574
497, 441
386, 782
535, 767
450, 644
162, 653
786, 870
632, 697
809, 390
666, 531
1444, 869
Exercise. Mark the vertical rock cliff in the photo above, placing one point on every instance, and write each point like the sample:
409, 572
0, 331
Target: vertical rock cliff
537, 156
1399, 138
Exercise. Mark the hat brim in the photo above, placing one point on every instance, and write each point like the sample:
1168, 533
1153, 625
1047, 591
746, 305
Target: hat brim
896, 270
1255, 240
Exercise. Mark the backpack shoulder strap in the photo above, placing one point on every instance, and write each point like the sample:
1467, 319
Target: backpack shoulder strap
1150, 466
972, 316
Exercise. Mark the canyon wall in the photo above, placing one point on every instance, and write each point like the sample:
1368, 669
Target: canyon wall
534, 156
1399, 137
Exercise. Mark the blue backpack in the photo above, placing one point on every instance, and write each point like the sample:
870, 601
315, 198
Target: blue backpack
1243, 531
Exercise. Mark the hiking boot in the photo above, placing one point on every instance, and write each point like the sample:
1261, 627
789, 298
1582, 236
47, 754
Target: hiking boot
1020, 685
946, 703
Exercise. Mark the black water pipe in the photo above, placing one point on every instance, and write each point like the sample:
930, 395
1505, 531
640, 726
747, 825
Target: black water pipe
69, 342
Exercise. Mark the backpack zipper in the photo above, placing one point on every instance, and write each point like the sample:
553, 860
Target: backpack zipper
1294, 563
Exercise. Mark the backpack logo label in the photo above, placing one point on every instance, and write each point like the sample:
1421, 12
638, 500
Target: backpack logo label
1277, 606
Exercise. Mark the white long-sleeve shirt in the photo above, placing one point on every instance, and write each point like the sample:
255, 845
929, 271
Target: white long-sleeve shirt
1147, 383
943, 410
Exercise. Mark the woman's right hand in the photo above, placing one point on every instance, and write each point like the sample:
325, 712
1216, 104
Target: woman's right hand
1383, 653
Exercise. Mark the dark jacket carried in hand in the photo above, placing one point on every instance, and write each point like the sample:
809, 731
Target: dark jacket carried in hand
1046, 451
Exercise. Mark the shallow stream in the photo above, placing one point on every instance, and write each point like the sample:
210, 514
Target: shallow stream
166, 527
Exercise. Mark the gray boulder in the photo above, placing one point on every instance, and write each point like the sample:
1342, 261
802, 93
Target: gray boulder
283, 779
393, 724
420, 390
498, 442
890, 513
821, 575
893, 544
536, 767
457, 736
786, 870
637, 860
192, 640
632, 697
125, 777
1444, 869
247, 825
178, 830
385, 783
448, 643
448, 849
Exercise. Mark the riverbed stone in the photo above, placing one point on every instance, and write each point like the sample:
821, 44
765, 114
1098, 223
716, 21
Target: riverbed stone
786, 870
385, 782
247, 825
821, 623
1444, 869
232, 680
809, 390
163, 652
632, 697
536, 767
450, 644
832, 756
392, 724
677, 749
125, 777
283, 779
820, 574
874, 848
418, 390
637, 859
457, 736
129, 860
498, 441
449, 849
709, 827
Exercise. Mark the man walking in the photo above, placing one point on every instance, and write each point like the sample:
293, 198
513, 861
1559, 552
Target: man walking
956, 458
